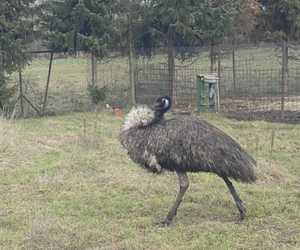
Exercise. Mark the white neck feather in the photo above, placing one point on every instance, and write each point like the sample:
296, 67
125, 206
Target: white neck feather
140, 116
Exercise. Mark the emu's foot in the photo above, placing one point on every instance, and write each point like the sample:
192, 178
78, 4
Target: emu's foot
242, 214
163, 223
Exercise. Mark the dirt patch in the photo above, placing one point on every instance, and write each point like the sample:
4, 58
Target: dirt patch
249, 110
292, 117
184, 107
262, 109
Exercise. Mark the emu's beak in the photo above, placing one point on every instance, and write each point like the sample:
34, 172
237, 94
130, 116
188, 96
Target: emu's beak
156, 105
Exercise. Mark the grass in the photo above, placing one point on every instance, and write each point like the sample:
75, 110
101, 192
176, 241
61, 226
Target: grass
66, 183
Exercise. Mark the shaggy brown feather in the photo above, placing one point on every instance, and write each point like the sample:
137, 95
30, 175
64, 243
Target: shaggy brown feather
188, 144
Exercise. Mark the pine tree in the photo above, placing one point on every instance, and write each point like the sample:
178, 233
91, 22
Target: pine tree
17, 29
278, 20
187, 23
79, 25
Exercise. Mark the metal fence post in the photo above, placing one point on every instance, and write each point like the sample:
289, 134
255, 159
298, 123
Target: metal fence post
47, 84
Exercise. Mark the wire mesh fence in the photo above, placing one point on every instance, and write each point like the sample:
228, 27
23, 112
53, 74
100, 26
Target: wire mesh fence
251, 79
60, 85
252, 82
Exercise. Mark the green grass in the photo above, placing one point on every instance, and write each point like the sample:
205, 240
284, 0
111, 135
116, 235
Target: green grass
66, 183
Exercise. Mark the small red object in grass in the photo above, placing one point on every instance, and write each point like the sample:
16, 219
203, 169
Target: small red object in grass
117, 112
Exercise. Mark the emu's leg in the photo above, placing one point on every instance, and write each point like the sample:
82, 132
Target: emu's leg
184, 184
238, 201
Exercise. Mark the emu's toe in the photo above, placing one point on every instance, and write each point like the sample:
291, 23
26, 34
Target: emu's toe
163, 223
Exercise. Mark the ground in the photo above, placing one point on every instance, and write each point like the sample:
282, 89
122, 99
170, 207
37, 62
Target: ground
289, 116
249, 110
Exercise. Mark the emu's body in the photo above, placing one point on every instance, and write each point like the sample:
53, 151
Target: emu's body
185, 144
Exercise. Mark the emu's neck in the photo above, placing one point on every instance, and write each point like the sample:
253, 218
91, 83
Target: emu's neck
141, 116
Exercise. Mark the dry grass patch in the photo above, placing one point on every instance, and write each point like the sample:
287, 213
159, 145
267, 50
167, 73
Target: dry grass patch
15, 152
270, 174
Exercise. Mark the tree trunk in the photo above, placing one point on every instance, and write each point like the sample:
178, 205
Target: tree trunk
283, 76
94, 78
212, 58
1, 64
131, 67
171, 71
219, 76
286, 68
94, 70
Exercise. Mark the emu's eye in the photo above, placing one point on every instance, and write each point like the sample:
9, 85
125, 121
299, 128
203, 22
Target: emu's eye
166, 102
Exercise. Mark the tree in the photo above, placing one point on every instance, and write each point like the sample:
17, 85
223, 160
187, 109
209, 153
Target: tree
244, 21
78, 25
187, 23
130, 20
278, 20
17, 29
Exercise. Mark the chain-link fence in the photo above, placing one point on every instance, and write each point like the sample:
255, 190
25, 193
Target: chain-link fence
56, 83
251, 79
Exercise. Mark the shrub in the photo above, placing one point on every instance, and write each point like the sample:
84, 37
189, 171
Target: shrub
98, 94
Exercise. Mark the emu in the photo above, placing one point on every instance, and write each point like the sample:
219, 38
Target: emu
184, 144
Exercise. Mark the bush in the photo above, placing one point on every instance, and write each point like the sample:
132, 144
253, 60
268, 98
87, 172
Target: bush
98, 94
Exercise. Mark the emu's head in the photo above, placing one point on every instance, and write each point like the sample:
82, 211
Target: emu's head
162, 105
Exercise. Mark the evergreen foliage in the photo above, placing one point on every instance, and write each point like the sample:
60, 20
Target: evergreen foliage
17, 29
131, 22
17, 23
188, 23
278, 20
74, 25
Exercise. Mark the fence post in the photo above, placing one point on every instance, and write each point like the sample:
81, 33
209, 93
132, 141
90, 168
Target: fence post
233, 67
47, 84
283, 77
